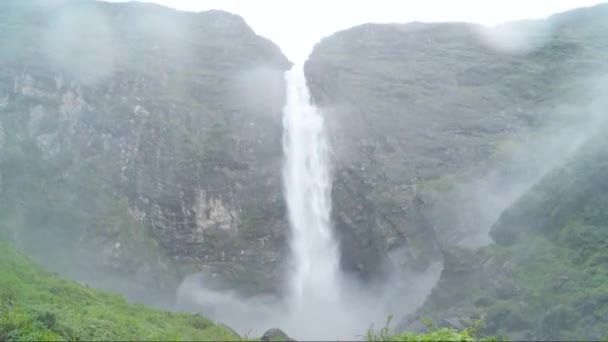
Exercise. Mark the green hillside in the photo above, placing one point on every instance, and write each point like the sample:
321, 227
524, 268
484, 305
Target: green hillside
37, 305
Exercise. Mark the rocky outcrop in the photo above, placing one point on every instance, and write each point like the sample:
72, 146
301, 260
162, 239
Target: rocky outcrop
140, 143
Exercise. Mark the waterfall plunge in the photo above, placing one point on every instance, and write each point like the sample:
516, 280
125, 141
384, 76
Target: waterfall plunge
321, 302
307, 184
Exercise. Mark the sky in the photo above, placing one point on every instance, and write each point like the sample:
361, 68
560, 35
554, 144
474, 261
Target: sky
296, 25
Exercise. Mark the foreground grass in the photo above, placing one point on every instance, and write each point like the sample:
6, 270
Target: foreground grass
36, 305
434, 334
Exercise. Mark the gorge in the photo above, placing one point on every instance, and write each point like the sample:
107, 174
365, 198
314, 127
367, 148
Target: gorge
419, 170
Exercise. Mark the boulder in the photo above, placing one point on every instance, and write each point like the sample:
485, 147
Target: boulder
276, 335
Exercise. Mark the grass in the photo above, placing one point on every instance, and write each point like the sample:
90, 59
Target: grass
36, 305
434, 334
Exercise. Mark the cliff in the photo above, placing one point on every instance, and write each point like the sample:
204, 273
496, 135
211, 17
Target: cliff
442, 130
139, 144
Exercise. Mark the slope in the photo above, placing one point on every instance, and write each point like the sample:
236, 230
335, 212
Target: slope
37, 305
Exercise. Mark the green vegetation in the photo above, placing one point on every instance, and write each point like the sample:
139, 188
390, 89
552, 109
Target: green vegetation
537, 288
98, 166
36, 305
434, 334
545, 278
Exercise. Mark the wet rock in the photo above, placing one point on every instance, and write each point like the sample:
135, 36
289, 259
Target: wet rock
276, 335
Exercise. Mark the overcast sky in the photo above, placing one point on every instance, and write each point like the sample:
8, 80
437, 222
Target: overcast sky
296, 25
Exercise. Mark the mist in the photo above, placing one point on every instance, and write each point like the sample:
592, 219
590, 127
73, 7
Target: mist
357, 309
320, 301
475, 205
463, 216
94, 77
176, 60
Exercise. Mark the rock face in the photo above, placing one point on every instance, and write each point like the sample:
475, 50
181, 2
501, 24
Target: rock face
423, 116
440, 133
140, 143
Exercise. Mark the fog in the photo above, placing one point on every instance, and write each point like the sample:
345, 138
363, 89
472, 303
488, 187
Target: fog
296, 28
78, 40
297, 25
347, 318
469, 211
463, 216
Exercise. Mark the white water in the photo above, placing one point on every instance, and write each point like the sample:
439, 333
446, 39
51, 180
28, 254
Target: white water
323, 303
315, 280
307, 183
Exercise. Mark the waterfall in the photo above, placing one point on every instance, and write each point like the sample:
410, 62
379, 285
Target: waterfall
314, 284
322, 303
307, 184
